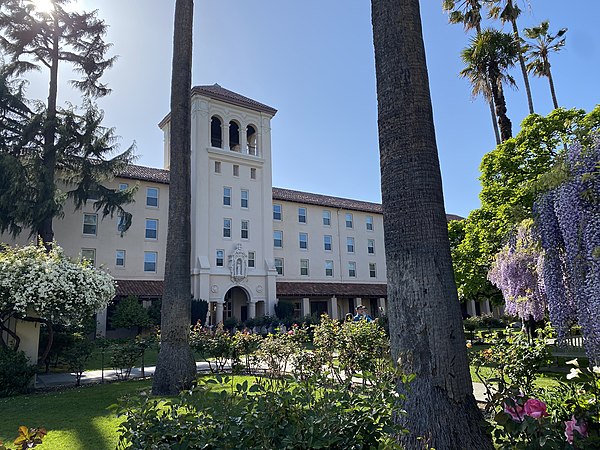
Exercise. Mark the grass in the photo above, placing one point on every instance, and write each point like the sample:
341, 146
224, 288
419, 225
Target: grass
545, 380
76, 419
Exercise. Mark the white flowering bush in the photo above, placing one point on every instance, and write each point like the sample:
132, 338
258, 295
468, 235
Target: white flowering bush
53, 286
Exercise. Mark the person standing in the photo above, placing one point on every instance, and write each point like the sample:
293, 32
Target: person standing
361, 314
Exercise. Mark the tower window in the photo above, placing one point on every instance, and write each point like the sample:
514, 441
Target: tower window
234, 136
216, 139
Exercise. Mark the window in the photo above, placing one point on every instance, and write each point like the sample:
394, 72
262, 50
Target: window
244, 198
328, 268
152, 197
369, 222
303, 240
252, 173
236, 170
217, 166
277, 214
371, 246
90, 224
251, 140
234, 136
350, 244
89, 254
121, 223
304, 267
151, 229
251, 259
372, 270
279, 265
220, 258
352, 269
226, 228
150, 261
302, 215
216, 139
123, 186
327, 218
327, 243
120, 258
277, 238
349, 220
226, 196
245, 226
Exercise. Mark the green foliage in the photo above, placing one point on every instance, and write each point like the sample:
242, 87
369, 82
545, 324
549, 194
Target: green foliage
129, 313
284, 310
16, 373
270, 413
124, 356
78, 355
512, 175
199, 311
514, 362
29, 437
217, 347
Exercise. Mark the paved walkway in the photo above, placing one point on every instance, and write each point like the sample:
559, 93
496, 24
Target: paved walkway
53, 380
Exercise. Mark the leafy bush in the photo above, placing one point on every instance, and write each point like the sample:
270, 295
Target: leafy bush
15, 372
129, 313
216, 347
124, 355
27, 438
284, 310
199, 311
267, 414
77, 356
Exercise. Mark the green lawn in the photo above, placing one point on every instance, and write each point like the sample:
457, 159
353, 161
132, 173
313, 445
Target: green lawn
76, 419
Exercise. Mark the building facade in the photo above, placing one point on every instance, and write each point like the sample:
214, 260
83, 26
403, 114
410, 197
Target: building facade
253, 245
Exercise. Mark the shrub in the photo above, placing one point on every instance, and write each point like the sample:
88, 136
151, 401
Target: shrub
77, 356
284, 310
199, 311
15, 372
266, 414
124, 355
129, 313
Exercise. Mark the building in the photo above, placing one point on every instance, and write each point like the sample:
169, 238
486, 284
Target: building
252, 244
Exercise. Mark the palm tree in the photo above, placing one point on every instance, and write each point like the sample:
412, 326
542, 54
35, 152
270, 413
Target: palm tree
426, 332
508, 11
468, 12
537, 52
176, 368
489, 56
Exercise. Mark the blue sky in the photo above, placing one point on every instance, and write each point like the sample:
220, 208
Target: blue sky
313, 61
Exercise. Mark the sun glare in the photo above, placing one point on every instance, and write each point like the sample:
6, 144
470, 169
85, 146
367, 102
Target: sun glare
43, 6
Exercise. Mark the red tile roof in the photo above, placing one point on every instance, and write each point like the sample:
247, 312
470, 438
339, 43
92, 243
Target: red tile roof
217, 92
145, 174
140, 288
288, 195
302, 289
325, 200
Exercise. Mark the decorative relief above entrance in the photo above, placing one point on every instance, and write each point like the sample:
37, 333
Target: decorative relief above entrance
238, 264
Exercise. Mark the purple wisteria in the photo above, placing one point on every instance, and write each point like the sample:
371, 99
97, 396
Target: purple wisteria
568, 222
517, 272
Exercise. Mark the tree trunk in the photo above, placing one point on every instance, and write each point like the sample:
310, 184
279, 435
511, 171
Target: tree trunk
426, 331
176, 368
500, 102
45, 231
523, 68
552, 91
494, 121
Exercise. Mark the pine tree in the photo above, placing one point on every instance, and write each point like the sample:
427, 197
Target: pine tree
49, 146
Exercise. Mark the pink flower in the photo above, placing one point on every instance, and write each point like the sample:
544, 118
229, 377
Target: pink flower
535, 408
516, 411
572, 425
290, 332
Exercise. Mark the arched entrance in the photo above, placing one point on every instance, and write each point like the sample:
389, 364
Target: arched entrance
236, 304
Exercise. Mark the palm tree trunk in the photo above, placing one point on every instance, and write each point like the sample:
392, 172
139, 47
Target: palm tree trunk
494, 121
523, 68
500, 102
426, 332
176, 368
552, 91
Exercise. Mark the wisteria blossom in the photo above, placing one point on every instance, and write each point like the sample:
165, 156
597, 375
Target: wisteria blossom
50, 285
517, 272
568, 221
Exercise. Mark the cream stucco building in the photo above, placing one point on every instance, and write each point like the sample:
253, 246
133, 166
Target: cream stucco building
252, 244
